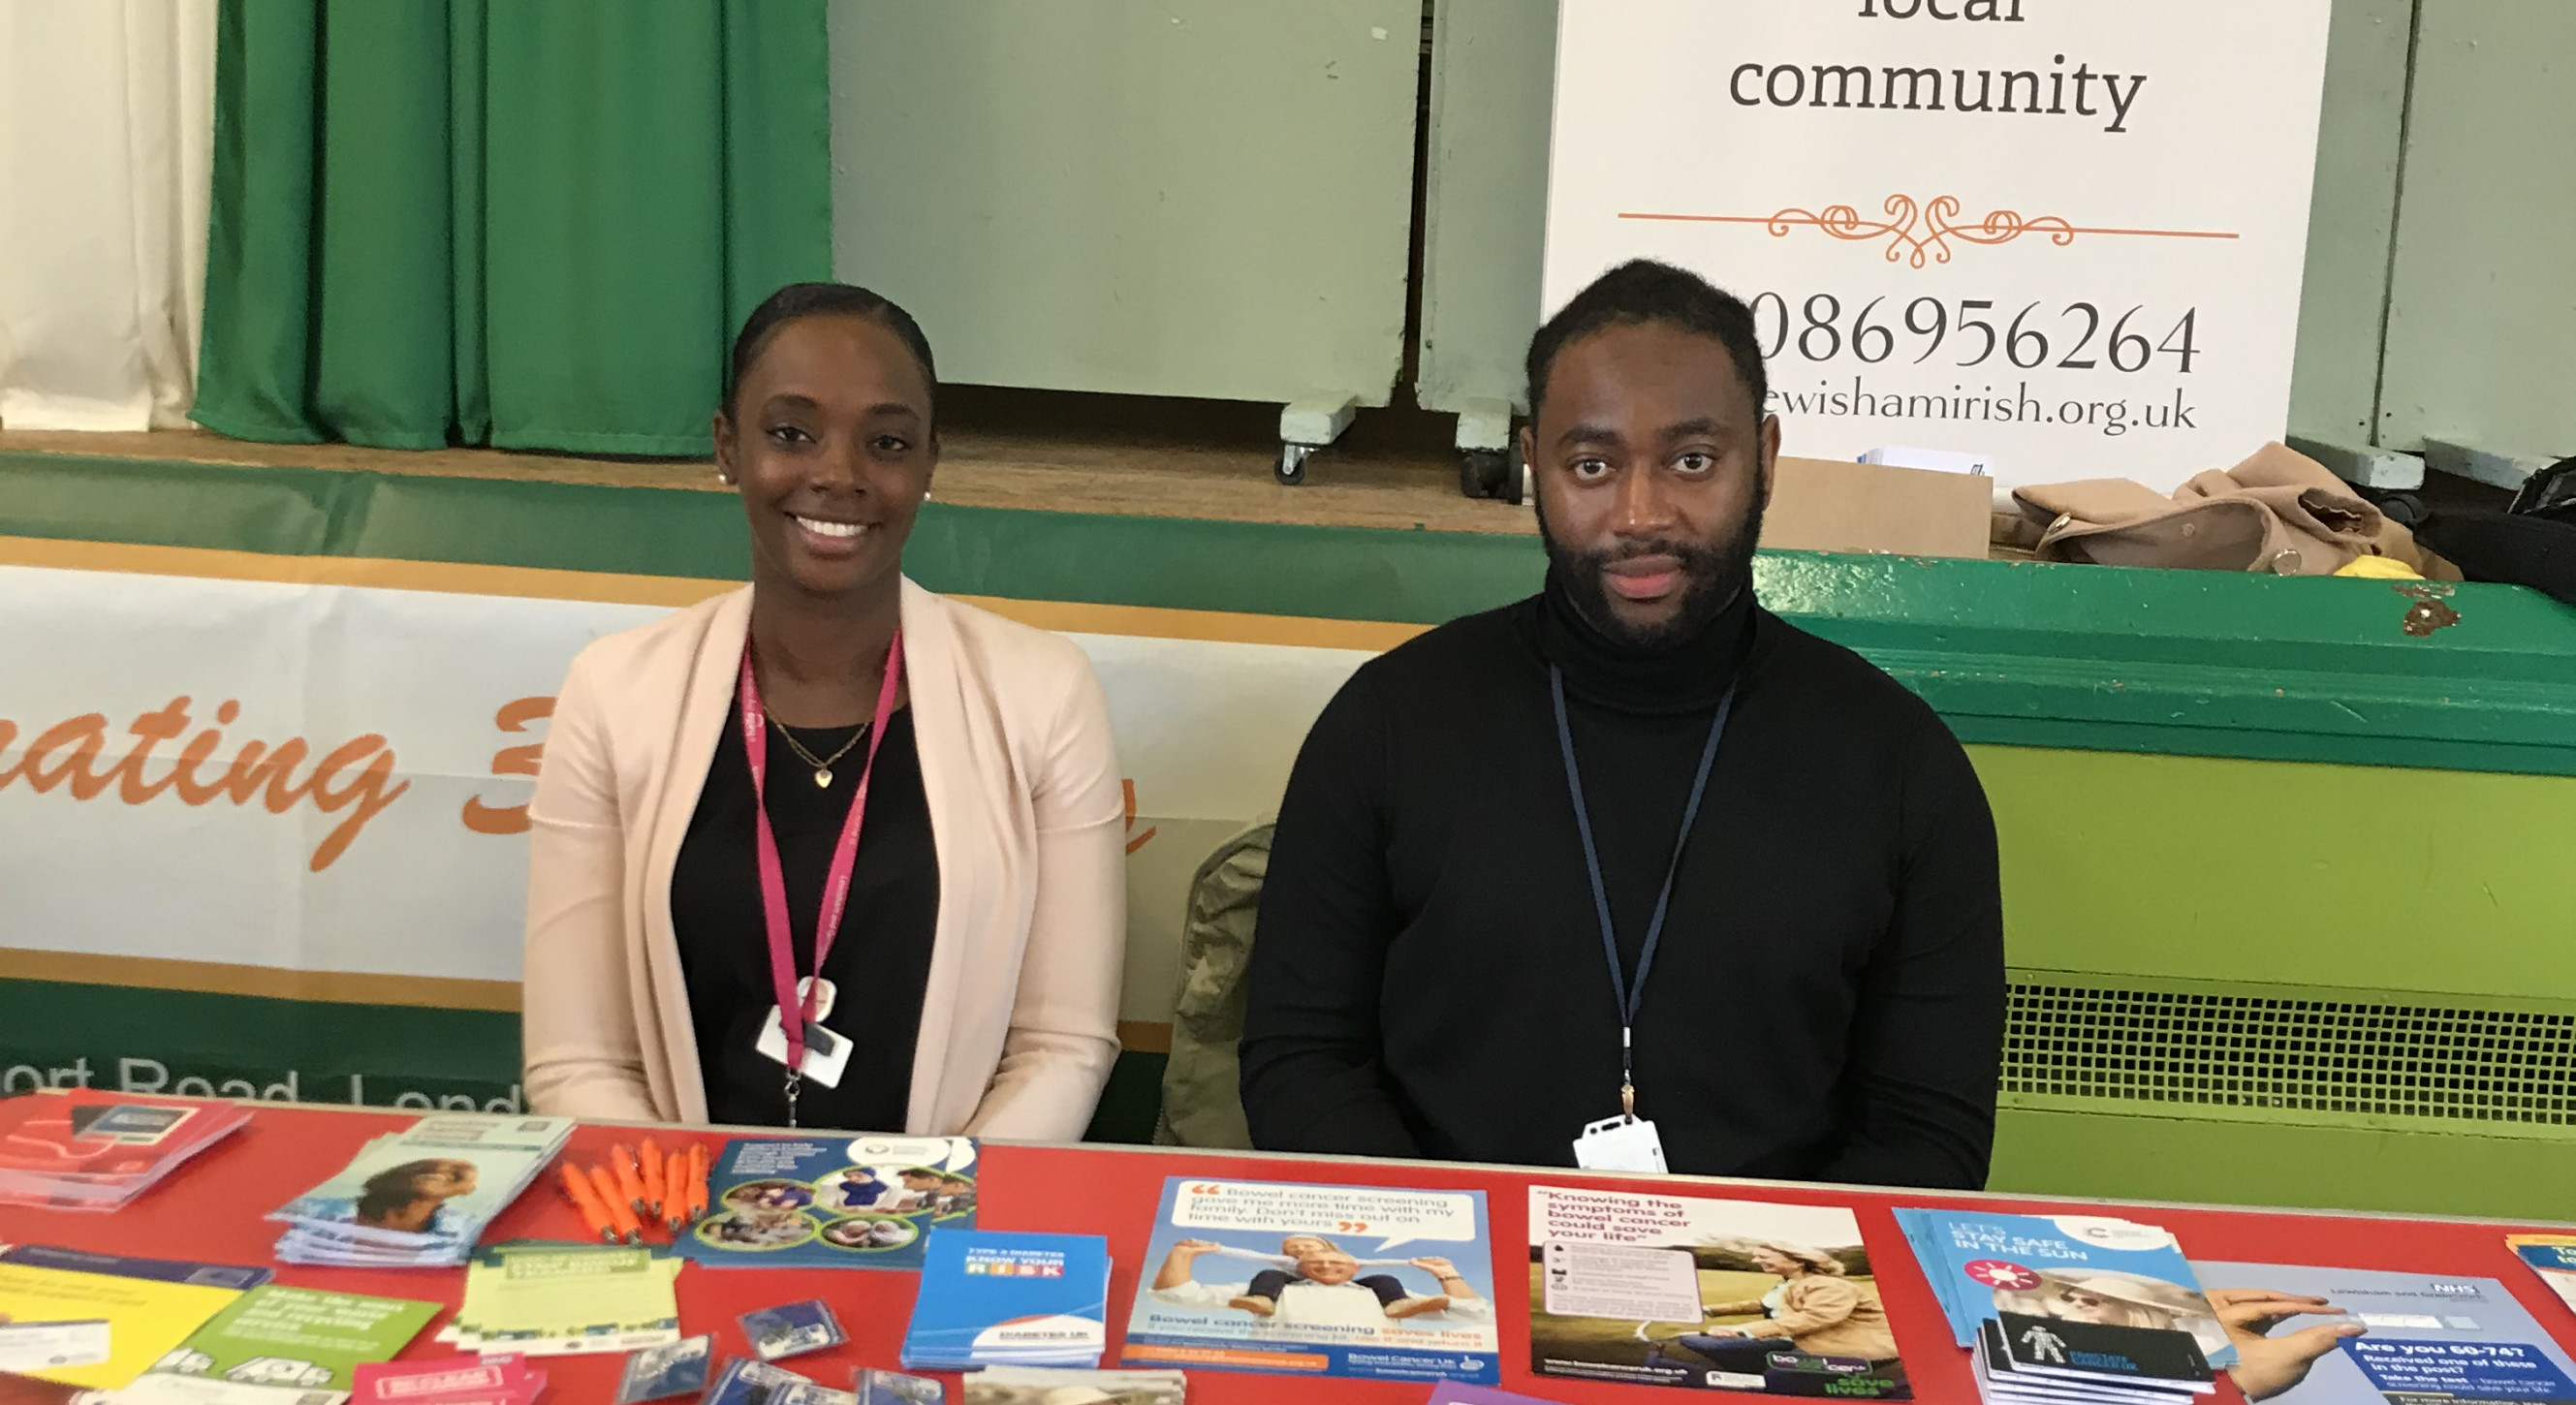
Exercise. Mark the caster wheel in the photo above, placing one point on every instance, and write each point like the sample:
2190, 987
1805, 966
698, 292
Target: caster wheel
1291, 468
1485, 473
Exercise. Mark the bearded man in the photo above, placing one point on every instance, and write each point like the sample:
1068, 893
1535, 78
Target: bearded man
1633, 874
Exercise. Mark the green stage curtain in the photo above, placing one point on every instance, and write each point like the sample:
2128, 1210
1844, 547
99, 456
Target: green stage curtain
526, 223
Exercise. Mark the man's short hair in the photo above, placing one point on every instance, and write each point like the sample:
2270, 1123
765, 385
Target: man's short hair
1642, 292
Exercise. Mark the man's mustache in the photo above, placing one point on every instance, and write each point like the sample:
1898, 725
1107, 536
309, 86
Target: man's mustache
1692, 555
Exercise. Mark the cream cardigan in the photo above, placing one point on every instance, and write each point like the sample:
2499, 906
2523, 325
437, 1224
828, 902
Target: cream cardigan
1019, 1021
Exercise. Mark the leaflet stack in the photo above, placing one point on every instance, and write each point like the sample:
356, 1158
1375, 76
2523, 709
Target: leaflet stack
992, 1299
2080, 1310
539, 1299
91, 1151
419, 1198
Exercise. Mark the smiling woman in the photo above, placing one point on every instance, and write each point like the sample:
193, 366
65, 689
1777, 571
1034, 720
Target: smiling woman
832, 781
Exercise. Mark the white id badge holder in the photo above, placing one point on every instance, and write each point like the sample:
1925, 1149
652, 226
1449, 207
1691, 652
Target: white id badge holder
827, 1055
1611, 1144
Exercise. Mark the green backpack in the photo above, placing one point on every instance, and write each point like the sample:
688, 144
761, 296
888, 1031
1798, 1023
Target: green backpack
1201, 1103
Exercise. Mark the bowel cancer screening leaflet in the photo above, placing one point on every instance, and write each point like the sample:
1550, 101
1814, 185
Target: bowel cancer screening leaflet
1707, 1294
1317, 1279
833, 1201
2462, 1341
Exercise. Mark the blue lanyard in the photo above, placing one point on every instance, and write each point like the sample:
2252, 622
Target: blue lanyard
1631, 994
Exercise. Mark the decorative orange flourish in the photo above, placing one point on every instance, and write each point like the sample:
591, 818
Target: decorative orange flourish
1920, 234
1923, 234
1150, 830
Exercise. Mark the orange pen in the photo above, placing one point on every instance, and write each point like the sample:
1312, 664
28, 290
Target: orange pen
675, 1192
698, 1180
629, 1183
654, 1193
593, 1213
627, 1227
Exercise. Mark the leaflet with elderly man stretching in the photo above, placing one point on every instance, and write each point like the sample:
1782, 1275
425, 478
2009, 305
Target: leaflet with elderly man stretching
1328, 1280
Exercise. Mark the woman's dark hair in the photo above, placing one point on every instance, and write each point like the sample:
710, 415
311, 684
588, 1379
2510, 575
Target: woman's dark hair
391, 1189
1643, 291
800, 300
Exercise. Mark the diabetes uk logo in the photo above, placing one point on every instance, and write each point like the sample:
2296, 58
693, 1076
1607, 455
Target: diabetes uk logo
2063, 235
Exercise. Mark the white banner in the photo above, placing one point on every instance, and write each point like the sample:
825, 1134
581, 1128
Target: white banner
2067, 234
330, 778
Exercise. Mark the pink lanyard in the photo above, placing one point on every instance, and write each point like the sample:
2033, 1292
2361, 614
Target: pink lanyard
836, 880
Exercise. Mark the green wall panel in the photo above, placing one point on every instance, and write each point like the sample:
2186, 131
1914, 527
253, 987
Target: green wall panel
2442, 883
1164, 197
1484, 218
2281, 1163
2482, 316
2334, 386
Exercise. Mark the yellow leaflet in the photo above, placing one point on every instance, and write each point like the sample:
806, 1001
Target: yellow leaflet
145, 1319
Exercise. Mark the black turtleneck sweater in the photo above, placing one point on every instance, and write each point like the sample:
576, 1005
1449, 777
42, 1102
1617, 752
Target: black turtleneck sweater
1428, 977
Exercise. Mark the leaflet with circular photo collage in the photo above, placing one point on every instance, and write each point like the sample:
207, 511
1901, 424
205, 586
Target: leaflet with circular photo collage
833, 1202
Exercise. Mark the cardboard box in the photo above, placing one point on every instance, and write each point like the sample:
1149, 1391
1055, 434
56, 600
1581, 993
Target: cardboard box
1944, 460
1829, 505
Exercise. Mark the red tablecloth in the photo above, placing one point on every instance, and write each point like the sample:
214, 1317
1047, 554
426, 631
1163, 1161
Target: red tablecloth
213, 1211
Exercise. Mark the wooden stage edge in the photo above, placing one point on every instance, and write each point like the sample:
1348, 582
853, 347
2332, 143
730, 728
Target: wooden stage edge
1395, 473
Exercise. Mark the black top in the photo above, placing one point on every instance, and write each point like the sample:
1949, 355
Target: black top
1428, 980
880, 959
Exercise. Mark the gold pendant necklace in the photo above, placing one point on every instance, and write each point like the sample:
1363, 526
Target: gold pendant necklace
822, 764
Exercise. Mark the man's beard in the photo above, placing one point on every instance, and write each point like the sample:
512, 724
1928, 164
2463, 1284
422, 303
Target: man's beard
1713, 573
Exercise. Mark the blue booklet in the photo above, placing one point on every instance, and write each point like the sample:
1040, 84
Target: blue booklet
832, 1201
1338, 1280
119, 1266
2112, 1272
2463, 1341
994, 1299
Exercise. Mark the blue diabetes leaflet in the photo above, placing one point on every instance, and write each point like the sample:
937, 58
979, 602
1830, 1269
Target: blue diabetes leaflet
2467, 1341
832, 1202
1225, 1243
120, 1266
990, 1298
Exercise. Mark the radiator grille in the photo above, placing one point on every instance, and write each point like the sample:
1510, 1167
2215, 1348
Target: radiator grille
2311, 1055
